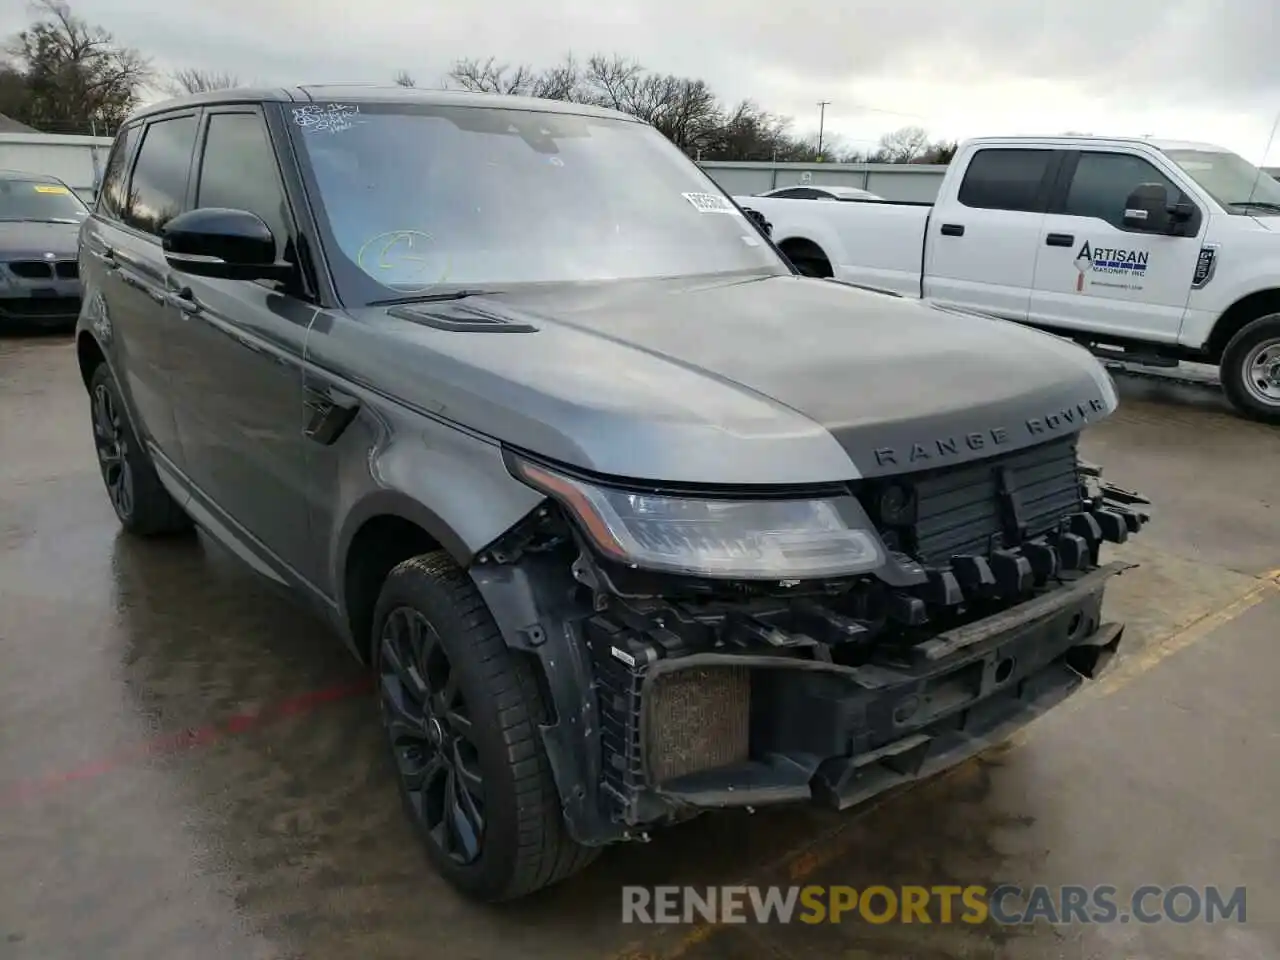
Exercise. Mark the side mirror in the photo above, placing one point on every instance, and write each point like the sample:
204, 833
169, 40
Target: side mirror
222, 243
760, 221
1148, 208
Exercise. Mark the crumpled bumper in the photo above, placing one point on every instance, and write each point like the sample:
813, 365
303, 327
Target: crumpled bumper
714, 730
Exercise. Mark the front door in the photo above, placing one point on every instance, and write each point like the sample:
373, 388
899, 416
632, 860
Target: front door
980, 251
1096, 274
238, 358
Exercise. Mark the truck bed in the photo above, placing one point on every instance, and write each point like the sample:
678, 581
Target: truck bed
878, 243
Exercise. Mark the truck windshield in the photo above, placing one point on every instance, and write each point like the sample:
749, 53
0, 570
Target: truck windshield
424, 199
39, 201
1231, 180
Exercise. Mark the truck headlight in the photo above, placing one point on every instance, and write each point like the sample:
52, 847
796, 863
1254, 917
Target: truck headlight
771, 539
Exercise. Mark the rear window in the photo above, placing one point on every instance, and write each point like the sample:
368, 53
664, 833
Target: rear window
1001, 179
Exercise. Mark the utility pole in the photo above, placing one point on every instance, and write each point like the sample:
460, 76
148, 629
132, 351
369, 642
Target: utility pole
822, 117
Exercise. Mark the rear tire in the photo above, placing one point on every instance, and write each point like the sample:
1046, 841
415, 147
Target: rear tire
1250, 369
139, 499
461, 715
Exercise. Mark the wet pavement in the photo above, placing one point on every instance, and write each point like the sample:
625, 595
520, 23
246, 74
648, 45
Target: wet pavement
190, 767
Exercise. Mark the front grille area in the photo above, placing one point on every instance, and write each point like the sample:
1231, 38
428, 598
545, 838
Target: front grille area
31, 269
67, 269
40, 307
975, 508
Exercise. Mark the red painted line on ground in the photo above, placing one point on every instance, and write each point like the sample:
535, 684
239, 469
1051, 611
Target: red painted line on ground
182, 740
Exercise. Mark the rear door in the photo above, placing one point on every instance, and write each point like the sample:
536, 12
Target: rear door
1096, 274
238, 354
145, 184
982, 240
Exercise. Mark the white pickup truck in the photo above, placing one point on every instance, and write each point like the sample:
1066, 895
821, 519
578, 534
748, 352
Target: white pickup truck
1150, 251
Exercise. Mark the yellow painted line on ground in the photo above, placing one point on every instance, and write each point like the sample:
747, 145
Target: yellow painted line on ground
830, 844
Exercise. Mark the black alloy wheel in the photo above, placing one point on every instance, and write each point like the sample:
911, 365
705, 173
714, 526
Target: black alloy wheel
431, 735
111, 439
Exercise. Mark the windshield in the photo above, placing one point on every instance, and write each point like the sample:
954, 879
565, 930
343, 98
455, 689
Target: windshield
1231, 180
37, 200
416, 199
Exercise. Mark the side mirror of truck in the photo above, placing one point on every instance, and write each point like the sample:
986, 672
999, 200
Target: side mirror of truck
222, 243
1148, 208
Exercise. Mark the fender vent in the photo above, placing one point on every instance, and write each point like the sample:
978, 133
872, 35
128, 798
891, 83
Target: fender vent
461, 319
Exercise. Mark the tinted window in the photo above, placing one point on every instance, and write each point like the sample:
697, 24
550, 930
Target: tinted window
111, 195
796, 193
1005, 179
159, 184
1103, 182
239, 171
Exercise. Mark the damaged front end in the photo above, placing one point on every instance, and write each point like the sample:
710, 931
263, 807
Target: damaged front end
910, 623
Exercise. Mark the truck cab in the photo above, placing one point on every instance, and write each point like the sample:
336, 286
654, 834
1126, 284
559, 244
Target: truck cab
1155, 251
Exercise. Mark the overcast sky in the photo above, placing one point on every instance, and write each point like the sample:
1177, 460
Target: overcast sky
1182, 69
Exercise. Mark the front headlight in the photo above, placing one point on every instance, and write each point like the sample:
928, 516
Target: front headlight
770, 539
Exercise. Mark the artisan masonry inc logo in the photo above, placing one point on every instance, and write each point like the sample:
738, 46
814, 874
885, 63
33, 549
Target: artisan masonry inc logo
1110, 261
1004, 904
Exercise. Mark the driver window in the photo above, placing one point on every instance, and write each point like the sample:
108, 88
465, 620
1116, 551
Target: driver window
1103, 181
239, 171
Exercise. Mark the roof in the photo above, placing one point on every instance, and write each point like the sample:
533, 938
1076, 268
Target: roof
1080, 139
374, 93
9, 125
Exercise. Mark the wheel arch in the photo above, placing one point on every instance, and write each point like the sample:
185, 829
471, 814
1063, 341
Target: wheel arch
384, 529
89, 355
1240, 314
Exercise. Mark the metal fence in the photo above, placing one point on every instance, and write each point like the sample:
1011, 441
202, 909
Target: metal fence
893, 181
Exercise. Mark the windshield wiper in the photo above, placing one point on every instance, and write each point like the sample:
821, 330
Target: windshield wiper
1261, 204
433, 297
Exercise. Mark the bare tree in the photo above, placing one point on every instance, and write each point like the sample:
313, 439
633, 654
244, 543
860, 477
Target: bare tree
193, 80
76, 74
903, 145
489, 76
403, 79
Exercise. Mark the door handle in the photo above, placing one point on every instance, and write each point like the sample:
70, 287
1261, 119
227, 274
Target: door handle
184, 300
106, 256
953, 229
1060, 240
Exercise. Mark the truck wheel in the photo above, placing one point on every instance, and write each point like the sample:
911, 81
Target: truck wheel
1250, 369
140, 500
461, 715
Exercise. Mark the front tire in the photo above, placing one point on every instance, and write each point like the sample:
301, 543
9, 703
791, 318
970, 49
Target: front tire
1250, 369
461, 714
139, 499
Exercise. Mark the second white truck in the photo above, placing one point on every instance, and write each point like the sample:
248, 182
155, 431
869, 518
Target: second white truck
1150, 251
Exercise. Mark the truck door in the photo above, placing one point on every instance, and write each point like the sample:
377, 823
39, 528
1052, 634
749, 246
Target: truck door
1096, 274
982, 242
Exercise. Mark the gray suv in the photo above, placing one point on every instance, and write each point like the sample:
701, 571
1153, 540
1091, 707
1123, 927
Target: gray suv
629, 520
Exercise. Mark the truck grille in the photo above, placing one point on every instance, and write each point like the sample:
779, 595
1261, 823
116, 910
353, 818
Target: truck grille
975, 508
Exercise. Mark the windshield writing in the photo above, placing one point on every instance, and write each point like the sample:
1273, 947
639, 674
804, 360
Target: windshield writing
34, 200
418, 199
1230, 179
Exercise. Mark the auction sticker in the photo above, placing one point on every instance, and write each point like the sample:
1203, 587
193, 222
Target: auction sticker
710, 203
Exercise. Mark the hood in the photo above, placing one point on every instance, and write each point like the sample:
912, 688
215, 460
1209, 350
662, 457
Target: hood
31, 241
772, 380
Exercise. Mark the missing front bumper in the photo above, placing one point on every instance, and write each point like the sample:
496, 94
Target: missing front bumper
712, 730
